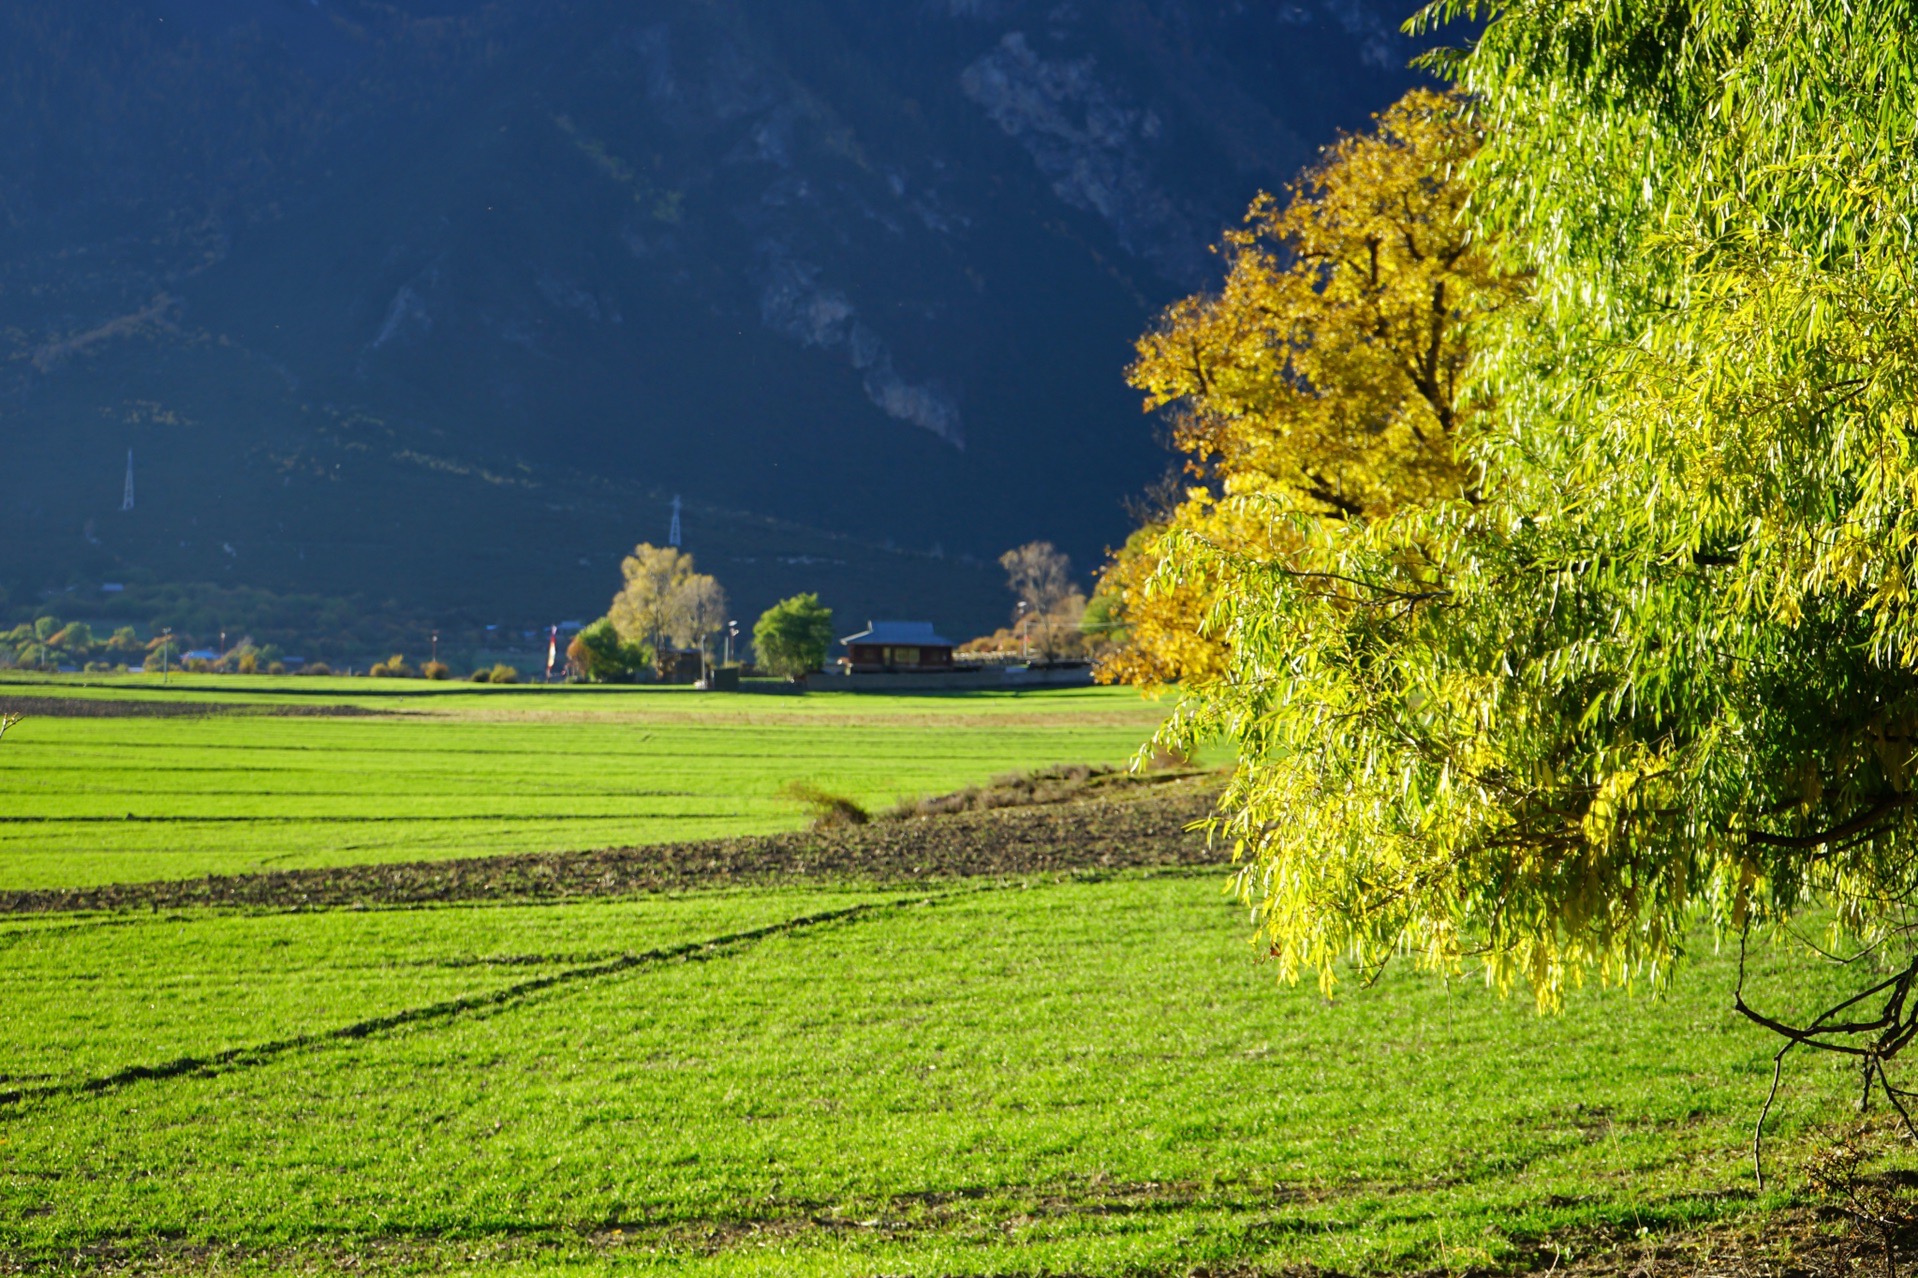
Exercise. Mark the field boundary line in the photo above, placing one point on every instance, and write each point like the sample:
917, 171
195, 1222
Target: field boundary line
448, 1009
11, 936
488, 817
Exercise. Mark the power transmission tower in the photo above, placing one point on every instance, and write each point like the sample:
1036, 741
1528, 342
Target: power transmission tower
126, 502
672, 533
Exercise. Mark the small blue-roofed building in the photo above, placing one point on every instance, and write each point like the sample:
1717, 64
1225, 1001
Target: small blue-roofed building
885, 646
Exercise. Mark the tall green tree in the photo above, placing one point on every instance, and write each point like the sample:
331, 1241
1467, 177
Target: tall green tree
599, 655
1664, 662
792, 637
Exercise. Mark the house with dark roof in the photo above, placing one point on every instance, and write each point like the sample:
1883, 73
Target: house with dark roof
897, 646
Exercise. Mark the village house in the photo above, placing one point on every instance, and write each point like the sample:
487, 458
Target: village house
892, 646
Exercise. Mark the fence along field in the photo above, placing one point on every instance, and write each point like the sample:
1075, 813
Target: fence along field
1008, 1072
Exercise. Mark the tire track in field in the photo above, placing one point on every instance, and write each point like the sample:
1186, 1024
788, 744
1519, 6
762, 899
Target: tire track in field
12, 936
450, 1009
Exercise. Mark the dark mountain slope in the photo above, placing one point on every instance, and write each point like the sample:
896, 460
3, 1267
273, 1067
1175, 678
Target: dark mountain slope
383, 293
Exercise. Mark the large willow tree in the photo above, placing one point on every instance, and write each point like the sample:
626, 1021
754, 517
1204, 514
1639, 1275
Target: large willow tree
1664, 661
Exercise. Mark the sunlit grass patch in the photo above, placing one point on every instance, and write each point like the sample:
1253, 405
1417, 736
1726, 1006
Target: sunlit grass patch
1085, 1076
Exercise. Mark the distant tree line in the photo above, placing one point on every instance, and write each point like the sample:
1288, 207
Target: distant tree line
317, 627
47, 643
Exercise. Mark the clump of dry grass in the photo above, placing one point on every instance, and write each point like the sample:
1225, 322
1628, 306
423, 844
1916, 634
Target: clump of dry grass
1061, 783
1166, 759
829, 811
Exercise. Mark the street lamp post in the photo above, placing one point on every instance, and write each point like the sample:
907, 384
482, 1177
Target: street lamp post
166, 653
732, 632
436, 647
1024, 611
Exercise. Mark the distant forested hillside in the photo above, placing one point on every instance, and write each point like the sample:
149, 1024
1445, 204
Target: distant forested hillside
442, 302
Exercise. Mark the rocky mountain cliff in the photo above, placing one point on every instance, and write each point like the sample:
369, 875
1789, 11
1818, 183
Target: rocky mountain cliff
444, 299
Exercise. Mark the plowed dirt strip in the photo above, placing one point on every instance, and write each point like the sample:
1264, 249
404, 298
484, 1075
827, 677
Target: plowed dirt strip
1106, 834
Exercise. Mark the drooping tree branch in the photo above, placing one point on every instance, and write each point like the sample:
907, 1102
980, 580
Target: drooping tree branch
1861, 823
1872, 1042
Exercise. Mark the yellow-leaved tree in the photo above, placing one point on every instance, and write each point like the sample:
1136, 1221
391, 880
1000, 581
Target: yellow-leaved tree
1325, 377
665, 601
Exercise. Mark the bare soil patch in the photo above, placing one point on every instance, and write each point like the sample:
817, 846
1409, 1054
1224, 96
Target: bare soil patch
1131, 828
1802, 1242
1795, 1243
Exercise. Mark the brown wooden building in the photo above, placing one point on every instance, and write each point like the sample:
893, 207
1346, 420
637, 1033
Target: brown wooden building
897, 646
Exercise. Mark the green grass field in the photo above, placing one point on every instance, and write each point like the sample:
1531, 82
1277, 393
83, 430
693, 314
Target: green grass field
1078, 1076
1063, 1073
444, 770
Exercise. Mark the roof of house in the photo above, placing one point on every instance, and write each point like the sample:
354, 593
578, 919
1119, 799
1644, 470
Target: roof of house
905, 634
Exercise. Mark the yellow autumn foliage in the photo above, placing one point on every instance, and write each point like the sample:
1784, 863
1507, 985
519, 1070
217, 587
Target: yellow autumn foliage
1326, 375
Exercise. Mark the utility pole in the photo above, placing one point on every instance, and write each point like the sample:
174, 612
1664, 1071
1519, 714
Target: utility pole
126, 501
672, 532
166, 645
